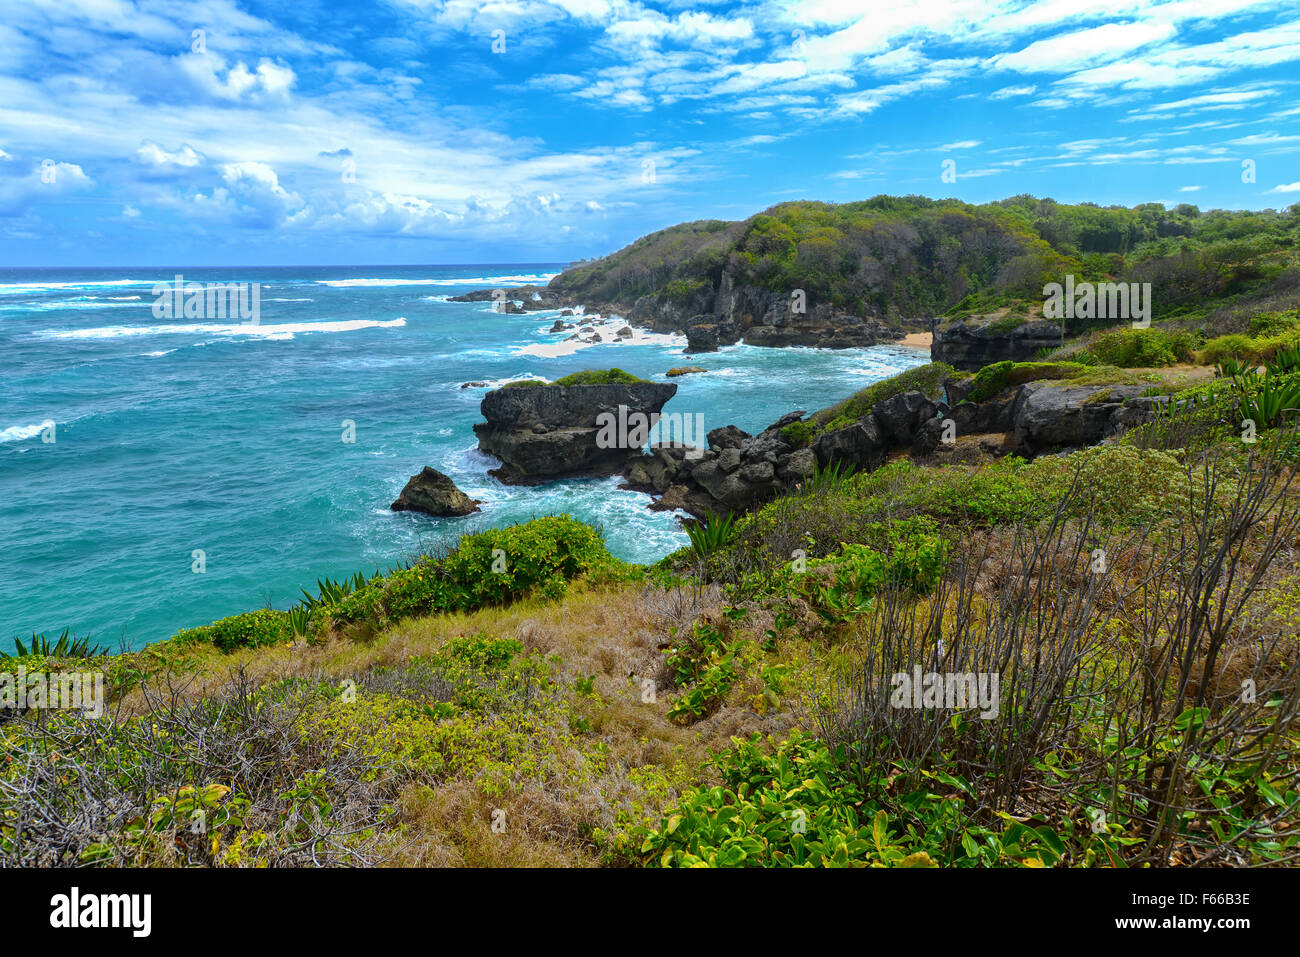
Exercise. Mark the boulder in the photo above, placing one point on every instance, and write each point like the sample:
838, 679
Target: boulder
901, 415
1051, 416
861, 443
727, 437
551, 431
433, 493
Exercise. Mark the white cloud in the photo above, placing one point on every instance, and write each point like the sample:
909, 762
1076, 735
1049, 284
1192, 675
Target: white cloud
1286, 188
151, 154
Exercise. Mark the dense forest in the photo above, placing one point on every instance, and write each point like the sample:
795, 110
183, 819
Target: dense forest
910, 257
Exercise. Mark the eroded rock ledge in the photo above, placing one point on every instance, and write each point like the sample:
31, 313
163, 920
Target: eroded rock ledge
544, 432
550, 432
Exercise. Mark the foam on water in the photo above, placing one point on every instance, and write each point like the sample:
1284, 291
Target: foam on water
260, 330
239, 447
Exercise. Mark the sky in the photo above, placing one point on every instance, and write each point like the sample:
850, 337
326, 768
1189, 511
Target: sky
297, 132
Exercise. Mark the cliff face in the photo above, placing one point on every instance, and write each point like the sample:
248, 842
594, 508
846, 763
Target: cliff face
728, 312
715, 315
971, 345
544, 432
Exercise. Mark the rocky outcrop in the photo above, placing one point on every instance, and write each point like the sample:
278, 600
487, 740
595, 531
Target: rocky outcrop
519, 299
739, 471
433, 493
720, 314
971, 344
1050, 416
683, 370
552, 431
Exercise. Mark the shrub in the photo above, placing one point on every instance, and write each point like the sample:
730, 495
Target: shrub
492, 567
997, 376
1137, 348
599, 377
252, 629
798, 434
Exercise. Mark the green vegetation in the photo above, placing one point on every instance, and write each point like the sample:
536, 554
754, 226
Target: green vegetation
1129, 348
494, 567
585, 377
927, 379
911, 257
1114, 631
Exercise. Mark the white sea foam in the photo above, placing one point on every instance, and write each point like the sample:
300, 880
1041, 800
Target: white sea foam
521, 280
17, 433
262, 331
567, 347
10, 288
160, 352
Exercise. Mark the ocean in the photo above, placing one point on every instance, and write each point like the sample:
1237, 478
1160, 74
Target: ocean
174, 437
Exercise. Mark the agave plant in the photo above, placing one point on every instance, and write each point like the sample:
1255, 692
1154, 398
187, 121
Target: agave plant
825, 479
1266, 404
710, 535
66, 646
331, 592
300, 619
1230, 368
1285, 361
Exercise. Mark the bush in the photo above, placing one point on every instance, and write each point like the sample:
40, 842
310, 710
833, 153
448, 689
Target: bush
1139, 348
252, 629
997, 376
798, 434
599, 377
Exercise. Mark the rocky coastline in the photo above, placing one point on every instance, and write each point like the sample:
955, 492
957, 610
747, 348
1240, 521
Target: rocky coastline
548, 432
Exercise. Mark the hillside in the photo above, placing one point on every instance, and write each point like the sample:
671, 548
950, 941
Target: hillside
959, 657
870, 269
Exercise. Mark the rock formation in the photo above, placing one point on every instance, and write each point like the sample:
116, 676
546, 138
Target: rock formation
971, 344
433, 493
545, 432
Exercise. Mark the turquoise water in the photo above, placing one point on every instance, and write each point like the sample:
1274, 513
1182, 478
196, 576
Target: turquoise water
176, 435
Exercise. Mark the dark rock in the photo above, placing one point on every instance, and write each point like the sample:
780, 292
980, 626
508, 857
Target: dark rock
624, 333
702, 337
800, 465
862, 443
433, 493
1054, 416
683, 370
570, 442
473, 385
972, 345
901, 415
727, 437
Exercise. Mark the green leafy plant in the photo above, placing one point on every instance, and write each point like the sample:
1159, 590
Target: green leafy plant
66, 645
711, 535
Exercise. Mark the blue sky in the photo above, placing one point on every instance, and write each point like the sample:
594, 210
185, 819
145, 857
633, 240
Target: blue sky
438, 131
